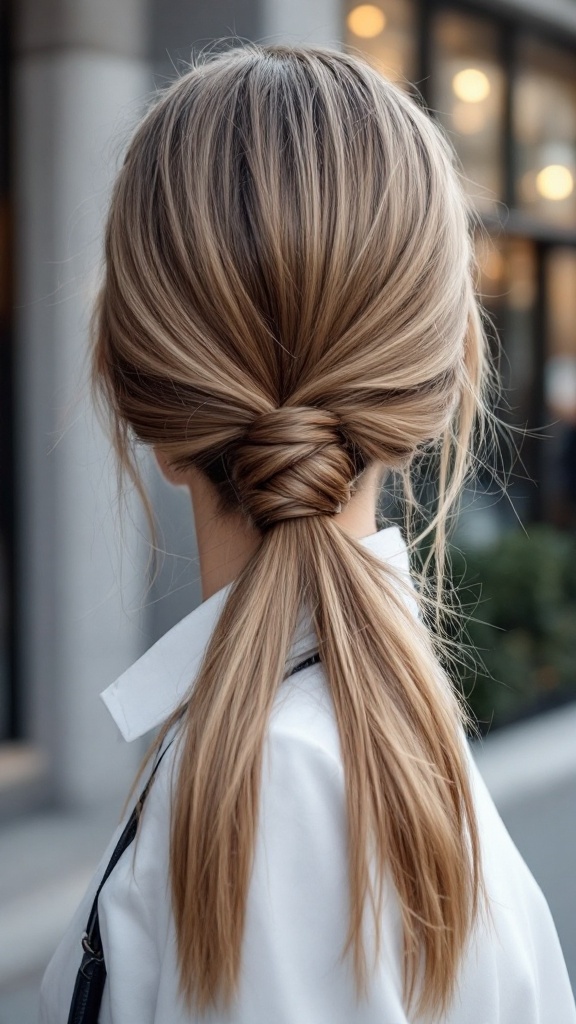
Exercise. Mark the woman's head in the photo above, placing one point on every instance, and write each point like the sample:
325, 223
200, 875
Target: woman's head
288, 299
288, 265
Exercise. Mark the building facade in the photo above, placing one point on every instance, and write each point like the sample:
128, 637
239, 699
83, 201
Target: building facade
501, 78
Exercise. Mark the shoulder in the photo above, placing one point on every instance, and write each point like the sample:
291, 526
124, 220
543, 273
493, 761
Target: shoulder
301, 753
301, 844
302, 778
303, 717
302, 745
297, 910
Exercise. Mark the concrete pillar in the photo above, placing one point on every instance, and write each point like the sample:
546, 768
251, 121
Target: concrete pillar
80, 77
302, 22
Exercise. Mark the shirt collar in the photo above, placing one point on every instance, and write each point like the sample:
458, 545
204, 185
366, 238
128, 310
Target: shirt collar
153, 687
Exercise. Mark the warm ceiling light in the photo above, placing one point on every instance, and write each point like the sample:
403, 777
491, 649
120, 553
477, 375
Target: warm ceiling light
555, 182
366, 21
471, 85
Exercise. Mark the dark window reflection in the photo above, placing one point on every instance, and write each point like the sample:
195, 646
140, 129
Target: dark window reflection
507, 284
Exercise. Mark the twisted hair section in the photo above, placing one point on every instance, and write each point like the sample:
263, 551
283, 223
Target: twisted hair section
292, 463
288, 299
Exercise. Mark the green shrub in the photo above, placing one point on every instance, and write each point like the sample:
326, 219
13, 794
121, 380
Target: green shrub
520, 594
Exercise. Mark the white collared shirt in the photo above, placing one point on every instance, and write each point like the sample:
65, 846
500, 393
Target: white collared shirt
297, 911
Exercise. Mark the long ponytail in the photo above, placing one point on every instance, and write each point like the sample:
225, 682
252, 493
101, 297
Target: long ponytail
403, 761
288, 299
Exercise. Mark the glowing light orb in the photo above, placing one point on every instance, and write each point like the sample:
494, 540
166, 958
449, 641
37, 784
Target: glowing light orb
555, 182
366, 21
471, 85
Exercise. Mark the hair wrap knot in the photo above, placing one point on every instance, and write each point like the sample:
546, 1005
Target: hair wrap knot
292, 462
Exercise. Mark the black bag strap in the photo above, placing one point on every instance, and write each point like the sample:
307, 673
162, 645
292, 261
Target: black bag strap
91, 940
87, 995
312, 660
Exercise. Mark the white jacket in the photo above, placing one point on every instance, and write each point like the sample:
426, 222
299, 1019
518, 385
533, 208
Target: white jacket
513, 971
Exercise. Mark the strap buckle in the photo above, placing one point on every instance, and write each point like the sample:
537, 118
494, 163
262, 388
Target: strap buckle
98, 955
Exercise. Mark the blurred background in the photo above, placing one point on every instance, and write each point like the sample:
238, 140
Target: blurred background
75, 605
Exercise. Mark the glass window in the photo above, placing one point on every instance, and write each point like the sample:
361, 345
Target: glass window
544, 112
385, 32
507, 285
508, 289
560, 386
468, 90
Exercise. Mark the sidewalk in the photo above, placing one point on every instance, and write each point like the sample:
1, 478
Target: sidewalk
19, 1003
47, 861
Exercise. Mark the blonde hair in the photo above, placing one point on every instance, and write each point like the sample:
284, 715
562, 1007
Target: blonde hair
289, 298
